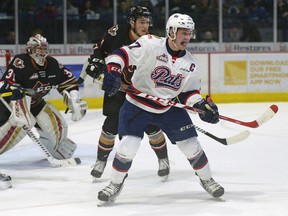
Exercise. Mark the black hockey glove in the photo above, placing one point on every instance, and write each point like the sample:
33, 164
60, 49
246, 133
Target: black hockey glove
17, 90
211, 114
94, 68
112, 79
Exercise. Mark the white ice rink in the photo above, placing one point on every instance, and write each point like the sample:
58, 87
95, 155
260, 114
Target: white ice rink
254, 174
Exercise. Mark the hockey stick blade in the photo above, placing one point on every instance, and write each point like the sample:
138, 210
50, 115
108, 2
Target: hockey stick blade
64, 162
266, 116
229, 140
53, 161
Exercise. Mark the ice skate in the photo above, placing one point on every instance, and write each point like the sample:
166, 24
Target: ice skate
164, 169
5, 182
108, 194
212, 187
98, 169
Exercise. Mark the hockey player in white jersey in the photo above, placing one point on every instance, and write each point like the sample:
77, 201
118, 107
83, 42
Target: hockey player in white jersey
165, 69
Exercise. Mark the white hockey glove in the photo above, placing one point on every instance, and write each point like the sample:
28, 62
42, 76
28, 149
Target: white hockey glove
77, 106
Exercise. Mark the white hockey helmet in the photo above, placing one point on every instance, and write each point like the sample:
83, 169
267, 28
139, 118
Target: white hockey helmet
37, 48
178, 20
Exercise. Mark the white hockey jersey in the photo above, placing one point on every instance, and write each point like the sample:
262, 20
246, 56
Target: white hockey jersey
158, 73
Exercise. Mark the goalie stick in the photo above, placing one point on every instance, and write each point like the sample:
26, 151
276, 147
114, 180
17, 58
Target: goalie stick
53, 161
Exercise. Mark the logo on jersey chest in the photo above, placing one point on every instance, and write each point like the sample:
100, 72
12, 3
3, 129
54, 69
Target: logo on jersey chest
162, 77
163, 58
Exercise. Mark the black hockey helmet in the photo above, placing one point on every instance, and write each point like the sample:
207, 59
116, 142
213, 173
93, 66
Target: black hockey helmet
136, 12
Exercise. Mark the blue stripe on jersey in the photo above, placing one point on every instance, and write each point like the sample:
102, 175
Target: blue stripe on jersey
183, 96
123, 55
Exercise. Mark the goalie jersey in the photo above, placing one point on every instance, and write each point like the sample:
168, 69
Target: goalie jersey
159, 71
23, 70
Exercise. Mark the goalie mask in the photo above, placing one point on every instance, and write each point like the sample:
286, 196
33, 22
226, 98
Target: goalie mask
178, 20
37, 48
136, 12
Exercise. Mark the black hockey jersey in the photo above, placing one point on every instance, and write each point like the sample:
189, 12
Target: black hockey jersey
24, 71
116, 37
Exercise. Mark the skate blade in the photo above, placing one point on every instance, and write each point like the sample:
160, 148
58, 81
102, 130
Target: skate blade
5, 185
105, 203
164, 178
95, 180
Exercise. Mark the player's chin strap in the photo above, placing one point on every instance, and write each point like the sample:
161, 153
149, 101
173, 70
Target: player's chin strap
53, 161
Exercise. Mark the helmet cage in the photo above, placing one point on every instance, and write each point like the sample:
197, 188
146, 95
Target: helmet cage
37, 48
180, 21
136, 12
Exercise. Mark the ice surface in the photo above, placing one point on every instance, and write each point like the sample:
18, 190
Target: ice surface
254, 173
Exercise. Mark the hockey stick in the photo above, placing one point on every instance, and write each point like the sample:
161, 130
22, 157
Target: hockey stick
226, 141
31, 91
268, 114
53, 161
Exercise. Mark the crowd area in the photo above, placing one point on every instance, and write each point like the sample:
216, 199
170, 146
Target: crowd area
243, 20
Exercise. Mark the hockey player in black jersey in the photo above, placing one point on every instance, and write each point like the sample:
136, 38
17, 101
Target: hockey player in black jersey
36, 70
139, 19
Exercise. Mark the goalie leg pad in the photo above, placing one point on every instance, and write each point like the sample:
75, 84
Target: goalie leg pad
10, 136
20, 114
53, 131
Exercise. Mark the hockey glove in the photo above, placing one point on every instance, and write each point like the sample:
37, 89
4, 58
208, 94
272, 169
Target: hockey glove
16, 89
112, 79
77, 106
211, 114
94, 68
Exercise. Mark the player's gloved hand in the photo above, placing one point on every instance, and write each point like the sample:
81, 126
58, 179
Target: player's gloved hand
77, 106
112, 79
16, 89
94, 68
211, 114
